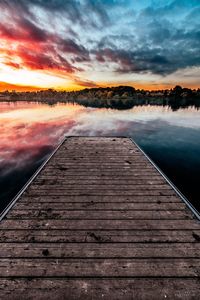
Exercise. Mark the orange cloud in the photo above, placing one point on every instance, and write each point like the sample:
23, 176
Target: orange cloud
4, 86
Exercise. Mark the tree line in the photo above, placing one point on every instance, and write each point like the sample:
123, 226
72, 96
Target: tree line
120, 97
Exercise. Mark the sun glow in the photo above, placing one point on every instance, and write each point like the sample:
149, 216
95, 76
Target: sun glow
31, 78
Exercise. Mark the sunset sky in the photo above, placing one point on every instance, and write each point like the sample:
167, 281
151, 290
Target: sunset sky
75, 44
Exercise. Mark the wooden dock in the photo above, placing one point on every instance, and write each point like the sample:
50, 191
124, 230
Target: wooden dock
99, 222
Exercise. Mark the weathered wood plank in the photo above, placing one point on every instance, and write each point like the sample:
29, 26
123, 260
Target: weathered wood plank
100, 224
98, 206
100, 198
101, 181
100, 192
98, 167
97, 159
106, 250
110, 173
99, 152
99, 215
73, 289
98, 177
100, 236
102, 165
45, 267
98, 187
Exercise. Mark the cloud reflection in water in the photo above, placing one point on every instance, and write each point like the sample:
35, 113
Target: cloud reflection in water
30, 131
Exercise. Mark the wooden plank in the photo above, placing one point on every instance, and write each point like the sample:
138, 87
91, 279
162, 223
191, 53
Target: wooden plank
98, 187
101, 174
108, 167
99, 152
100, 236
90, 172
98, 177
101, 192
54, 206
96, 167
100, 198
100, 224
114, 162
91, 250
102, 165
15, 267
100, 215
73, 289
100, 158
101, 181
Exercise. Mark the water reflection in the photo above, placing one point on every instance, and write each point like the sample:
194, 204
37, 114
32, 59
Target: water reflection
30, 131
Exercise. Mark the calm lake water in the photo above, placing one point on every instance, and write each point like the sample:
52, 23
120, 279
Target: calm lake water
30, 131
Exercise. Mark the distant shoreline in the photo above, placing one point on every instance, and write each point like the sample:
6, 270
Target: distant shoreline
121, 97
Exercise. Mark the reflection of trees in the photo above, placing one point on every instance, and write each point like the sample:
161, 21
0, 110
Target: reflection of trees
120, 97
120, 104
